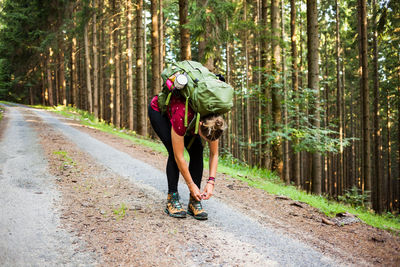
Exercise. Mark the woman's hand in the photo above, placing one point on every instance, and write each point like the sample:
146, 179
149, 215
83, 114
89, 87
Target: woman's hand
194, 191
208, 190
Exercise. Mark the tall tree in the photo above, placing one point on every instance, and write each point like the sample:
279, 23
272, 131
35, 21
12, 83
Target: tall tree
363, 39
95, 63
88, 68
339, 98
264, 81
378, 181
313, 84
130, 64
184, 31
295, 83
141, 125
62, 82
74, 83
50, 79
277, 163
117, 60
155, 48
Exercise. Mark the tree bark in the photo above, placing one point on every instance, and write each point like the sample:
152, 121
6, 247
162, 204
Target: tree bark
95, 64
276, 147
101, 65
62, 82
49, 79
313, 84
248, 92
130, 65
286, 148
295, 84
155, 48
117, 58
339, 98
363, 39
378, 181
161, 36
139, 68
112, 65
74, 73
88, 68
264, 89
184, 32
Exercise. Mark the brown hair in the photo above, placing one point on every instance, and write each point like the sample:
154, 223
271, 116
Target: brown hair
213, 126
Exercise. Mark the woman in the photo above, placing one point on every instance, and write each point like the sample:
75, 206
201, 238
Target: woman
171, 130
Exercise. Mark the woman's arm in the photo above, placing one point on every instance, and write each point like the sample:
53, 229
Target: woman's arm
213, 164
178, 145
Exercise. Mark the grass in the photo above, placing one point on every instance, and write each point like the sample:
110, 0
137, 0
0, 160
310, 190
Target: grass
1, 112
120, 212
66, 160
255, 177
269, 182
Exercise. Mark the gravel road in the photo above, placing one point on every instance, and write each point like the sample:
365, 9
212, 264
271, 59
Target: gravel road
29, 220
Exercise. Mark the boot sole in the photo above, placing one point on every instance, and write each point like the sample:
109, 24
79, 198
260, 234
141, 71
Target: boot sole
180, 216
197, 217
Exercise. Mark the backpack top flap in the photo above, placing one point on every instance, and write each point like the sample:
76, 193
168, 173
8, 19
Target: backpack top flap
212, 96
205, 92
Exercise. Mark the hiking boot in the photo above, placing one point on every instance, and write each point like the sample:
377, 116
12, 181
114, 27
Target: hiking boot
196, 210
174, 207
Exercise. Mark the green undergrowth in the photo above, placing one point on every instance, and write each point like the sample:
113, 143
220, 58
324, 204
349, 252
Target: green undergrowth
270, 182
255, 177
1, 112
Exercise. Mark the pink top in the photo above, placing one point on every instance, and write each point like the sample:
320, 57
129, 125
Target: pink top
176, 113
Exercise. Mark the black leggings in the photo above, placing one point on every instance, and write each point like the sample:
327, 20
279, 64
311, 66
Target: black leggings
162, 127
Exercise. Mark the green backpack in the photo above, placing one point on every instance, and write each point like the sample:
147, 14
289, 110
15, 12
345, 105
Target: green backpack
204, 92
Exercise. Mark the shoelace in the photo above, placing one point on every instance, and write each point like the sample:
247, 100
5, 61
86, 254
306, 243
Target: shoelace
197, 205
176, 204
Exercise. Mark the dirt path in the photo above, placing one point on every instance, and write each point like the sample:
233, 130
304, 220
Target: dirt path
112, 204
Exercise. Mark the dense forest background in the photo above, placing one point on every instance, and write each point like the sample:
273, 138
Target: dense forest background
317, 84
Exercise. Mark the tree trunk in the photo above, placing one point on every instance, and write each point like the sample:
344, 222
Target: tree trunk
130, 64
389, 153
74, 82
277, 163
313, 84
139, 68
363, 39
49, 79
43, 79
102, 61
88, 67
398, 134
184, 32
155, 48
264, 89
377, 189
112, 65
117, 57
339, 98
228, 80
56, 77
145, 67
295, 85
161, 36
248, 92
286, 156
95, 64
62, 82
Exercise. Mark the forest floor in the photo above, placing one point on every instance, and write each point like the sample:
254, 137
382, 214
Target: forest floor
123, 222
